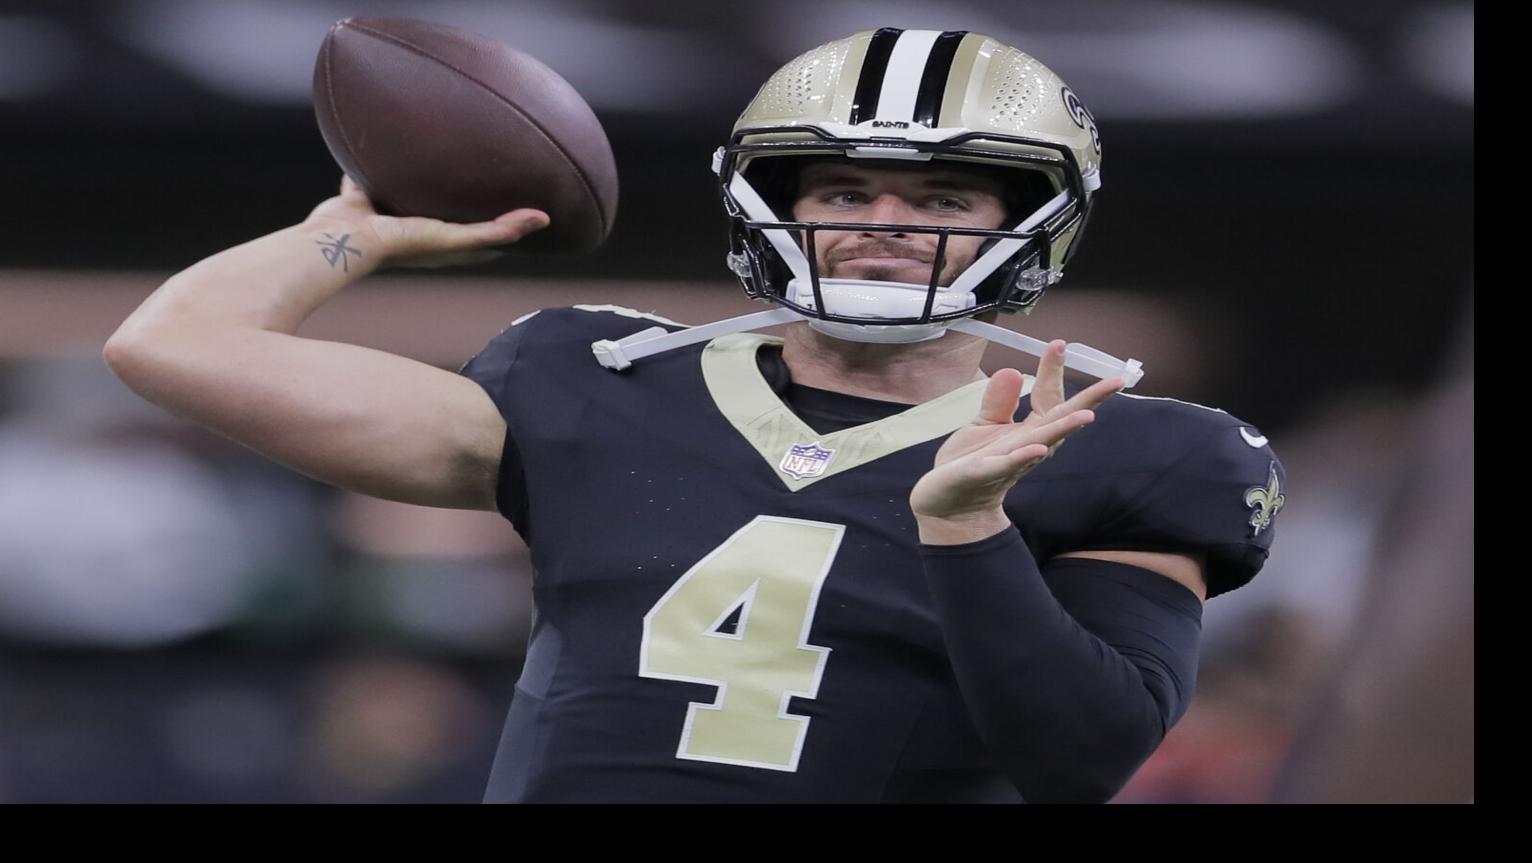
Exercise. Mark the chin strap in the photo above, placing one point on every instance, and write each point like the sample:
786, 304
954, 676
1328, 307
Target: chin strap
1080, 357
618, 355
621, 353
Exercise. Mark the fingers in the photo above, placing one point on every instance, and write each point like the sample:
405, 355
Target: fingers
509, 228
504, 229
1049, 434
1048, 390
1001, 397
1003, 394
522, 222
449, 237
1007, 465
1012, 466
433, 237
994, 468
1092, 396
1089, 398
1016, 458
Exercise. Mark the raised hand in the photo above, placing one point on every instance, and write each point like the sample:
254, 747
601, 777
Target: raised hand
959, 499
420, 242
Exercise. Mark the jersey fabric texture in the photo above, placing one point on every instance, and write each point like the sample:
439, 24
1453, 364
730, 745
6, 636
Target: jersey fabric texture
731, 598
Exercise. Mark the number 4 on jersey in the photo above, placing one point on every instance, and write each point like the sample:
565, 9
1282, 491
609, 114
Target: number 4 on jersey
767, 577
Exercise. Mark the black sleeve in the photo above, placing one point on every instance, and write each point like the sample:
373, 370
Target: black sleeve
491, 369
1072, 675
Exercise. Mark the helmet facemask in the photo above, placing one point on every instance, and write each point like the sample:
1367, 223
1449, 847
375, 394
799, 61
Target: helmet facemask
776, 257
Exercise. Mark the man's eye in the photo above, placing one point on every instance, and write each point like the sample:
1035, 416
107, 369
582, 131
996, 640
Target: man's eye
949, 205
844, 199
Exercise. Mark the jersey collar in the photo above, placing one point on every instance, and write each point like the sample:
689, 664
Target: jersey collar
749, 404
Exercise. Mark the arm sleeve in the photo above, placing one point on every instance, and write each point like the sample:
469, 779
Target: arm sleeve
491, 369
1072, 675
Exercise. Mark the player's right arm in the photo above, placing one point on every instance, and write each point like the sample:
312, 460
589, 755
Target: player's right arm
215, 344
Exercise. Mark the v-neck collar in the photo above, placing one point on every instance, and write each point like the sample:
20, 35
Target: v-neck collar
800, 456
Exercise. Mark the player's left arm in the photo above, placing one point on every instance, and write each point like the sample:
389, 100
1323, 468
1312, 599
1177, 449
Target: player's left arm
1186, 570
1073, 671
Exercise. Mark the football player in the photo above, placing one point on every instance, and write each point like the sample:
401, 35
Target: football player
841, 565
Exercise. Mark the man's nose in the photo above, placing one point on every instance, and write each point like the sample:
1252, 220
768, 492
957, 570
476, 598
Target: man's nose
888, 209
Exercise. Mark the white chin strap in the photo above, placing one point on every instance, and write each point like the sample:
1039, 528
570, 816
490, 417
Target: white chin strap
621, 353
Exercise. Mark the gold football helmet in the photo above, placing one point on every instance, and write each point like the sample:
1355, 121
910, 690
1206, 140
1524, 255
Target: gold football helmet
906, 96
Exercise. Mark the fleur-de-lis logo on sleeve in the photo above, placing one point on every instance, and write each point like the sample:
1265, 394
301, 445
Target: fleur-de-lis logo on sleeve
1264, 501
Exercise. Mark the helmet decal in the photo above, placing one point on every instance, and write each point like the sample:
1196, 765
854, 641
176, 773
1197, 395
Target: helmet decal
1081, 115
933, 81
869, 85
904, 77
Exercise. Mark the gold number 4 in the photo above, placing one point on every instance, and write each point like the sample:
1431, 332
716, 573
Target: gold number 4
769, 572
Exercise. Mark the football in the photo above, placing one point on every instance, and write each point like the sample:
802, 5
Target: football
436, 121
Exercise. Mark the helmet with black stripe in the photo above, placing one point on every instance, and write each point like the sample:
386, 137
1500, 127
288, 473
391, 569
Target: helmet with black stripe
896, 97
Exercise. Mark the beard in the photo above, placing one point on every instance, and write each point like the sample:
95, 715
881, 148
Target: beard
877, 273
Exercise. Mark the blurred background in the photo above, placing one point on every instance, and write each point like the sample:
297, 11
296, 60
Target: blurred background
1285, 231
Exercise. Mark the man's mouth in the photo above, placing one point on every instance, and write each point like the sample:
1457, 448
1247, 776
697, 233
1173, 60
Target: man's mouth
885, 260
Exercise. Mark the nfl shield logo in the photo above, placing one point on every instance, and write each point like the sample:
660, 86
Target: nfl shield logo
802, 462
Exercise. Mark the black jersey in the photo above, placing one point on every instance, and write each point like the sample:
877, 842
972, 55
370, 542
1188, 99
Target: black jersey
730, 602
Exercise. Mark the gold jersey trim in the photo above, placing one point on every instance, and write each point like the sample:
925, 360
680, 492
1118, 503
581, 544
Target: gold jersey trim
749, 404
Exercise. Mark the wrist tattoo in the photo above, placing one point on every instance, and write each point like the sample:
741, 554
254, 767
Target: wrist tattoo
337, 251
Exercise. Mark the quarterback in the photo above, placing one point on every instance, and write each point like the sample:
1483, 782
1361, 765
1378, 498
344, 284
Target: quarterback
842, 565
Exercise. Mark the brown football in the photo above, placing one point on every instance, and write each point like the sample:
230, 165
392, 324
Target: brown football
435, 121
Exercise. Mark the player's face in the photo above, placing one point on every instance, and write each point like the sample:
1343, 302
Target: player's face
920, 195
